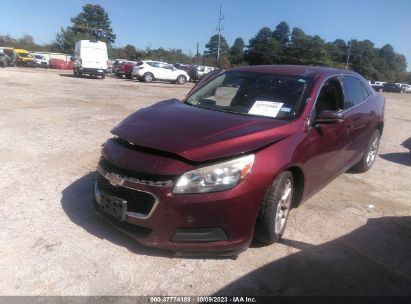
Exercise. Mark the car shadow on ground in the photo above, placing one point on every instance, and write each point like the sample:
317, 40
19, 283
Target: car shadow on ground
84, 76
77, 202
372, 260
402, 158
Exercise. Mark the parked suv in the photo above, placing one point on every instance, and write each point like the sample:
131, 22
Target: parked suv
124, 68
116, 65
392, 87
41, 60
378, 85
155, 70
200, 71
231, 160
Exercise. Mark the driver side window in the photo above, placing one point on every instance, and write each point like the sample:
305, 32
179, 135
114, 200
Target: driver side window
331, 97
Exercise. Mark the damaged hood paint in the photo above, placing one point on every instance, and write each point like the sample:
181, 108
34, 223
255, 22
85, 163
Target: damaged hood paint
198, 134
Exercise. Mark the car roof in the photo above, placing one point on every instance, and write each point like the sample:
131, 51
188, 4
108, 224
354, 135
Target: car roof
155, 61
293, 70
21, 51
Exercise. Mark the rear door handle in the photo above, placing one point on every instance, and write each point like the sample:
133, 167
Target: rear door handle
349, 128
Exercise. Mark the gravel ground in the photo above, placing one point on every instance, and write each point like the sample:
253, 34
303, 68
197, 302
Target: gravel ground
352, 238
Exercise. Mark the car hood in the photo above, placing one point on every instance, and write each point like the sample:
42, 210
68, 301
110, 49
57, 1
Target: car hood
198, 134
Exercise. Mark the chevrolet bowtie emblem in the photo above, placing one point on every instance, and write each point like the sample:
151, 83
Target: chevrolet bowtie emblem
115, 179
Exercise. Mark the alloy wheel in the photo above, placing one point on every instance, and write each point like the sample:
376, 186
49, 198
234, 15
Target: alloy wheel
372, 151
283, 207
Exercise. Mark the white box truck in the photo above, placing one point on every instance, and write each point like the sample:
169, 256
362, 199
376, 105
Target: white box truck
90, 58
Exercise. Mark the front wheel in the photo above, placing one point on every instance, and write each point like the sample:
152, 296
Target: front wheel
275, 209
370, 153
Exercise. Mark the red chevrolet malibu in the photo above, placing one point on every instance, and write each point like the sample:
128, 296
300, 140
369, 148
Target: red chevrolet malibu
229, 162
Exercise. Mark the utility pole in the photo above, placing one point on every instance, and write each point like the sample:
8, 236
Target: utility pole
198, 54
349, 53
219, 29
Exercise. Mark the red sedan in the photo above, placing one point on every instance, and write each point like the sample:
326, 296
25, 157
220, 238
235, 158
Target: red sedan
229, 162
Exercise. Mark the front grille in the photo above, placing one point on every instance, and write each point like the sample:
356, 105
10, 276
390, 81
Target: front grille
149, 178
137, 201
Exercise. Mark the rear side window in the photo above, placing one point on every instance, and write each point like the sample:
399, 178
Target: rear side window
355, 91
154, 64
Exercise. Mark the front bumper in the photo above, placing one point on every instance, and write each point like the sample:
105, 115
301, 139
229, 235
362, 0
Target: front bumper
219, 223
92, 71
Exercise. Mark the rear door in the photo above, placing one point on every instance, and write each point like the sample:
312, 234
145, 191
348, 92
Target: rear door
166, 71
326, 143
94, 57
358, 116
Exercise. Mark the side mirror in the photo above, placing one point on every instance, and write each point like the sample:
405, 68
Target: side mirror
327, 117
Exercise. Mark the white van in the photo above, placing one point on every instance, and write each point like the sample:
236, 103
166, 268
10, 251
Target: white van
90, 58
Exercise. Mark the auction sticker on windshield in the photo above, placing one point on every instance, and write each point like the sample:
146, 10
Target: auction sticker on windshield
265, 108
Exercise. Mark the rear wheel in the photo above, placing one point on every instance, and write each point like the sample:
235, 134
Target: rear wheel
148, 77
370, 153
275, 208
181, 79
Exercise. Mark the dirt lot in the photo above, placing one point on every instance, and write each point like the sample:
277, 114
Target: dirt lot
351, 238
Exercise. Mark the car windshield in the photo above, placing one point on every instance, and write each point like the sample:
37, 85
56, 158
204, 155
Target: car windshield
21, 54
257, 94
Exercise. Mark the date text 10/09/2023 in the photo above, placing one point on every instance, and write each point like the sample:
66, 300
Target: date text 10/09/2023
205, 299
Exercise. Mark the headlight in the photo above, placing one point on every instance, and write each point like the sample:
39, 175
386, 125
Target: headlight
216, 177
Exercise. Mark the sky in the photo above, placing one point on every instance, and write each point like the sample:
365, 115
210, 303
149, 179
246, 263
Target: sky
182, 24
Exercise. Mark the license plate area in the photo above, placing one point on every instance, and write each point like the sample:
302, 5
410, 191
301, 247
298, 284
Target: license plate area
114, 206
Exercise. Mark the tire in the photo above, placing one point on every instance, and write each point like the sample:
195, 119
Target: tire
129, 77
275, 209
148, 77
370, 153
103, 76
181, 79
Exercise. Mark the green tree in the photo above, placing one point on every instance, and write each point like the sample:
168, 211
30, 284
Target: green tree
212, 47
338, 50
263, 48
306, 50
282, 33
128, 52
92, 23
364, 59
396, 64
237, 52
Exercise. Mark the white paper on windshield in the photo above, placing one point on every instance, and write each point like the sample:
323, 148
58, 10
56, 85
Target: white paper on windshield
265, 108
